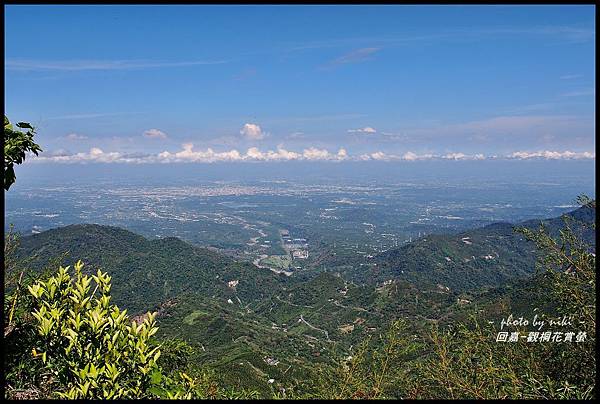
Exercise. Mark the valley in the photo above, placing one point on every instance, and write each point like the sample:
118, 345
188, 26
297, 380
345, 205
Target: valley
253, 324
287, 226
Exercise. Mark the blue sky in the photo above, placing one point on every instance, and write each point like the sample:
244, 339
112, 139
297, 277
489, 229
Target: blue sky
212, 83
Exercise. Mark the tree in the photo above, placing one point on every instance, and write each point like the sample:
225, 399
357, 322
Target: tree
462, 360
87, 346
466, 362
72, 343
16, 144
376, 369
568, 264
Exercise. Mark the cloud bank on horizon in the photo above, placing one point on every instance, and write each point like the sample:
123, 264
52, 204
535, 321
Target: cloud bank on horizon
254, 154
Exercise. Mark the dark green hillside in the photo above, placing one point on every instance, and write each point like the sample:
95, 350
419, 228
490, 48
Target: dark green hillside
330, 309
235, 327
252, 325
579, 220
484, 257
244, 347
146, 273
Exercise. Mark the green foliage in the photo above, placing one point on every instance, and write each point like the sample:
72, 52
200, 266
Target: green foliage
465, 361
75, 344
456, 358
146, 273
569, 268
570, 265
11, 243
21, 370
480, 258
462, 360
16, 144
372, 370
88, 345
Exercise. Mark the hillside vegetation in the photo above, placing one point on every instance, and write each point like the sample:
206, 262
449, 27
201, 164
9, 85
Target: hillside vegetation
410, 326
486, 257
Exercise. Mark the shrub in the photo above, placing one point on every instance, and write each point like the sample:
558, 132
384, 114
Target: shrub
88, 345
85, 348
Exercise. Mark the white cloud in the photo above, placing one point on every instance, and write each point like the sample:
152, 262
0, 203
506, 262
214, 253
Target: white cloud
455, 156
281, 154
410, 156
188, 155
76, 65
313, 153
155, 134
381, 156
316, 154
252, 131
94, 155
462, 156
366, 130
201, 156
75, 136
552, 155
254, 153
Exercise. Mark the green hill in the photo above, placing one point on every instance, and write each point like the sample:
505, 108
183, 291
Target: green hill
486, 257
147, 273
252, 325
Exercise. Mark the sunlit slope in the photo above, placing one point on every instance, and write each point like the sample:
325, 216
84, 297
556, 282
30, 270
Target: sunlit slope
146, 273
483, 257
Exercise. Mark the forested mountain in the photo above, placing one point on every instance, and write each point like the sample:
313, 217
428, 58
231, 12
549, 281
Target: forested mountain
249, 323
486, 257
253, 325
146, 272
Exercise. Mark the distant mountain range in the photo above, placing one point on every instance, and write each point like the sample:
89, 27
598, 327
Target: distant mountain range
485, 257
252, 324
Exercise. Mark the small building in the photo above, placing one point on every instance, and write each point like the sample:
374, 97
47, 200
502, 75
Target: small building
271, 361
302, 254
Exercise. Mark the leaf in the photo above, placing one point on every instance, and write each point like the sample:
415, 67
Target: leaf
157, 391
156, 377
93, 372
